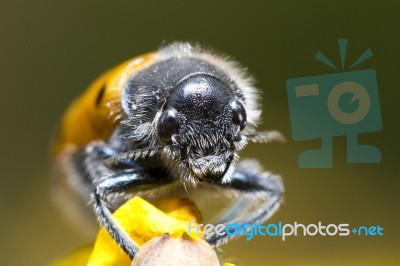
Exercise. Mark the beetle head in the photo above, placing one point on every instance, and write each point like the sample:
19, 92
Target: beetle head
202, 120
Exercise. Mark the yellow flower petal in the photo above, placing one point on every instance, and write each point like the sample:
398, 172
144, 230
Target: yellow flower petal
142, 221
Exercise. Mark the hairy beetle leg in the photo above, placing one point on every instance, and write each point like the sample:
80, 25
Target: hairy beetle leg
121, 182
263, 186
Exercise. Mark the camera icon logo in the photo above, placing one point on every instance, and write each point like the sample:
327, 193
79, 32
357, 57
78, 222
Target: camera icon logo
344, 103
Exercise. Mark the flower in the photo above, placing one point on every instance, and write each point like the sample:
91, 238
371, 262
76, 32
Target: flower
161, 230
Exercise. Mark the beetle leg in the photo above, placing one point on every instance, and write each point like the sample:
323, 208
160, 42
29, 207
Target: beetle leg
252, 185
122, 182
265, 136
76, 173
123, 176
88, 174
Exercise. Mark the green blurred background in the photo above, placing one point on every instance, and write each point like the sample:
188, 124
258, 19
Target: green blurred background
51, 50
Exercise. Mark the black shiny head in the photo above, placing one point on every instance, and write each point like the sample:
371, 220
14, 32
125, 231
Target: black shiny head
203, 117
195, 105
201, 98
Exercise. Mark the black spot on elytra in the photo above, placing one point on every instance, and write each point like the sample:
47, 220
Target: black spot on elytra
100, 95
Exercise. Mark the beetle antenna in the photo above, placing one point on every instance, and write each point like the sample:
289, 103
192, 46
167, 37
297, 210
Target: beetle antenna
134, 155
265, 136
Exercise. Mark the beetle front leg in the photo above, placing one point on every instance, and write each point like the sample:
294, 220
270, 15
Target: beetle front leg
122, 182
124, 176
252, 184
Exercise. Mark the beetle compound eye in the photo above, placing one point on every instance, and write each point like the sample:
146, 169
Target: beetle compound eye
238, 114
168, 125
